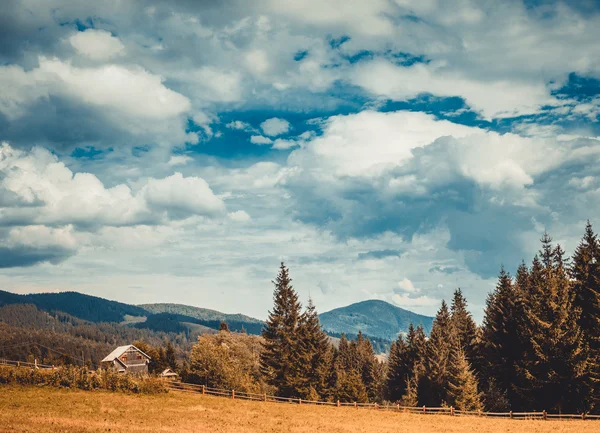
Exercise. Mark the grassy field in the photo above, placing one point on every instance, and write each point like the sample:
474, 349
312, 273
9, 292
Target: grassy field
51, 410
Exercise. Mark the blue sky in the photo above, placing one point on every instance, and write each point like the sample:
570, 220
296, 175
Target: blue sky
176, 151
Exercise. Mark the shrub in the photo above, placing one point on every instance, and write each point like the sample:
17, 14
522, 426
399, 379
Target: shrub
81, 378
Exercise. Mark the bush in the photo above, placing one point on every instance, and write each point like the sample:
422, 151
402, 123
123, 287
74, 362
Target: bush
81, 378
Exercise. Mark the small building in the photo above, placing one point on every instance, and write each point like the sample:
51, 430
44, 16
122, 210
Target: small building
127, 359
169, 374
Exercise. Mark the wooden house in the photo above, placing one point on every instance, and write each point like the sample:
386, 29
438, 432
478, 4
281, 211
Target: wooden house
127, 359
168, 374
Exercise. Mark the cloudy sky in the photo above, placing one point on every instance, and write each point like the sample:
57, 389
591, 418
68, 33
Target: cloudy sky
176, 151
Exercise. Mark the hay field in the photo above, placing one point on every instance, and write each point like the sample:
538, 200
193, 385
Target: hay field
30, 409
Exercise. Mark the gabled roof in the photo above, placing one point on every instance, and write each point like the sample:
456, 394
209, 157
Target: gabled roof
168, 372
115, 354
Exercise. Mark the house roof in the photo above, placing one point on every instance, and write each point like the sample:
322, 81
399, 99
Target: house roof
168, 372
121, 350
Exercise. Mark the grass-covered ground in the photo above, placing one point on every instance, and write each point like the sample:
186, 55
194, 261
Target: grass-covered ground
31, 409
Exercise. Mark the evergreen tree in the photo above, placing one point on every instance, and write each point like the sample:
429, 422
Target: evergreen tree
501, 348
410, 398
314, 351
223, 326
463, 325
170, 359
462, 384
556, 367
279, 359
439, 349
366, 364
585, 271
397, 372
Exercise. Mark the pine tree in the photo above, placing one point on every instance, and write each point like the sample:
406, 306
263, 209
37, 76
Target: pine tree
410, 398
439, 349
501, 348
170, 359
314, 351
463, 325
397, 372
223, 326
462, 384
367, 365
556, 365
281, 348
585, 271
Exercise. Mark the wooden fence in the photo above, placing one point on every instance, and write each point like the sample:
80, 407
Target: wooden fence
24, 364
232, 394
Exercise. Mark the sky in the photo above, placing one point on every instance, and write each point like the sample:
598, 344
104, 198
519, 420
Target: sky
177, 151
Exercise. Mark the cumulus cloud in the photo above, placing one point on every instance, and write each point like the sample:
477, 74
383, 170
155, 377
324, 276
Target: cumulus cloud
97, 44
275, 126
39, 189
260, 139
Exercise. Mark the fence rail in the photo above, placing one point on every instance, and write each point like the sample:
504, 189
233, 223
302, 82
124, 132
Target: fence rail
449, 411
232, 394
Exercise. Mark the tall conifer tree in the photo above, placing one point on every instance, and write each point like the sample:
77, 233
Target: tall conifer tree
439, 349
279, 359
585, 271
464, 327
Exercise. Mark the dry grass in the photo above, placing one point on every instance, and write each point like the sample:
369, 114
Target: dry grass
30, 409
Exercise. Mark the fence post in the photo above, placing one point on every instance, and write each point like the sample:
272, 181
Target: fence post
424, 409
511, 415
338, 403
203, 390
355, 405
265, 397
376, 406
545, 415
452, 410
398, 407
233, 394
479, 412
299, 401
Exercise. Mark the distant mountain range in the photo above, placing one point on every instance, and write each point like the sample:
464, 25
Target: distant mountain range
376, 319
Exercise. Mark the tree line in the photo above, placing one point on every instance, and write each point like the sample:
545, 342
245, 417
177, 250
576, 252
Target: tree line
538, 347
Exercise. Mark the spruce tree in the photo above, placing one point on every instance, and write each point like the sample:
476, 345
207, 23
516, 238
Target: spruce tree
463, 325
556, 366
585, 271
501, 348
397, 374
439, 349
462, 384
170, 359
410, 398
281, 348
315, 345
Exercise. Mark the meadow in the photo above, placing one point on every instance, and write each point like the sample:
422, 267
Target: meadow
50, 410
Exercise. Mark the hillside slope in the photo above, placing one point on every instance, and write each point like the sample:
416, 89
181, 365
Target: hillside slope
86, 307
374, 318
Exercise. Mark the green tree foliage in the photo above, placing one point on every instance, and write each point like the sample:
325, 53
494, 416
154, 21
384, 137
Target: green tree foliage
502, 349
585, 272
463, 325
462, 384
282, 347
398, 373
556, 368
441, 342
227, 360
315, 355
170, 357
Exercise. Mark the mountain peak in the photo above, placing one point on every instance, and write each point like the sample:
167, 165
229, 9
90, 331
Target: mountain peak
374, 317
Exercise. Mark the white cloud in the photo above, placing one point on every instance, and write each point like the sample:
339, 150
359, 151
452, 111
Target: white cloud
179, 160
257, 62
239, 125
180, 197
239, 216
275, 126
493, 98
405, 301
407, 286
97, 44
38, 189
259, 139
